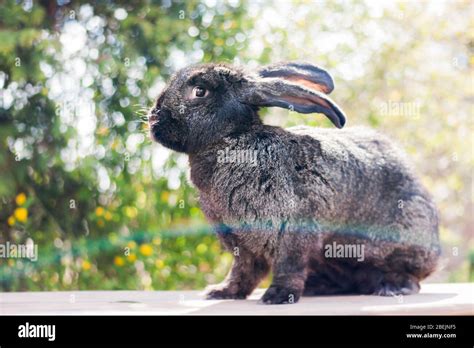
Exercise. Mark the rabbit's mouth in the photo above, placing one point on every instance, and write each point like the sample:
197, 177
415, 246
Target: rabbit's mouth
168, 131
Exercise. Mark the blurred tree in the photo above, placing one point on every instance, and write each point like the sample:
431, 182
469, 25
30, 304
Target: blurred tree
75, 80
110, 210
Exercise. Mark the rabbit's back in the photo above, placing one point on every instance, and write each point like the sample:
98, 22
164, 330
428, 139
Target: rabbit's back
369, 189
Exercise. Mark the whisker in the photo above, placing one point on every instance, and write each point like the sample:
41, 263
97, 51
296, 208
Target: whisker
143, 112
140, 121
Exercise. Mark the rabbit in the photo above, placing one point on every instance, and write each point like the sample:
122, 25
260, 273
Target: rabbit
303, 200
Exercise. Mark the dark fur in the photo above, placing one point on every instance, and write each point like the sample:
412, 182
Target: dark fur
311, 187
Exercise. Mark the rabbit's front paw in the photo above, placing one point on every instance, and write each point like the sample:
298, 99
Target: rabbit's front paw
221, 292
280, 295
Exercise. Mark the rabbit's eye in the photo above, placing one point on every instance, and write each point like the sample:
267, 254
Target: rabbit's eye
199, 92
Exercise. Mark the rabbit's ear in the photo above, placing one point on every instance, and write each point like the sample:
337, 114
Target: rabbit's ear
311, 76
298, 87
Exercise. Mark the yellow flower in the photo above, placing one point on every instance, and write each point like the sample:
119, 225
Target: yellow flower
164, 196
201, 248
21, 214
159, 264
131, 257
131, 244
100, 223
115, 144
99, 211
146, 250
86, 265
20, 199
157, 240
118, 261
131, 212
11, 220
108, 215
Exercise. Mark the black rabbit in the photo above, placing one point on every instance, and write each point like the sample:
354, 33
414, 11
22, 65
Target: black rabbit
328, 211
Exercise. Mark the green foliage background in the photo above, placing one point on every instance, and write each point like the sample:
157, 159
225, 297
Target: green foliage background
110, 210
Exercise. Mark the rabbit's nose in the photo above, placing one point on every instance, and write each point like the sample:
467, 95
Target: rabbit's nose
153, 116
